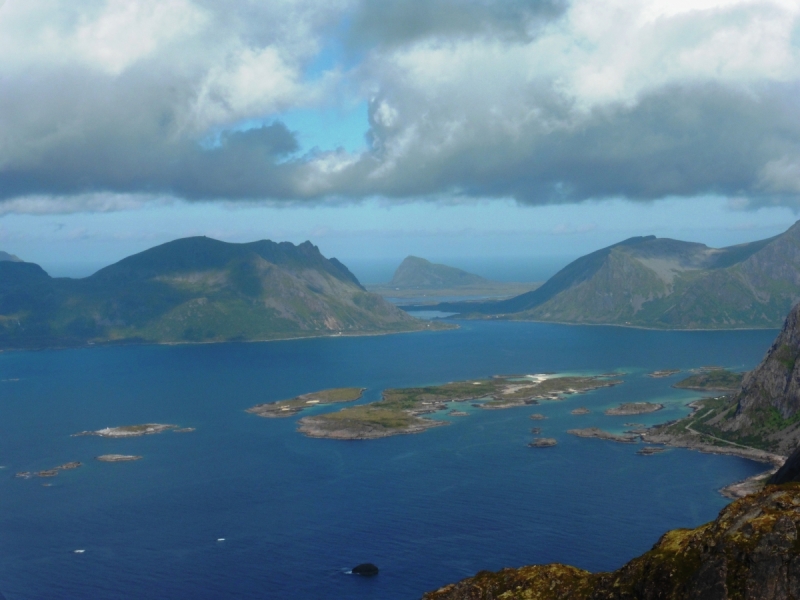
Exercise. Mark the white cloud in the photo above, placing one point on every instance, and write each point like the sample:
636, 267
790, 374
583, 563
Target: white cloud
109, 36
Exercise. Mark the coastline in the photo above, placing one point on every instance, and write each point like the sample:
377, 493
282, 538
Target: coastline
645, 327
693, 440
133, 342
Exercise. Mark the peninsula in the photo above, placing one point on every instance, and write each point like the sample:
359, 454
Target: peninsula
400, 410
287, 408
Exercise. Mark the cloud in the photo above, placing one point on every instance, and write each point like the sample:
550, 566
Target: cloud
540, 101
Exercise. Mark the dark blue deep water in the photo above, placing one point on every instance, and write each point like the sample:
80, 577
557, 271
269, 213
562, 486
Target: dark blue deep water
296, 513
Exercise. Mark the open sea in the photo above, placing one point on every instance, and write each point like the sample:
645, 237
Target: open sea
297, 513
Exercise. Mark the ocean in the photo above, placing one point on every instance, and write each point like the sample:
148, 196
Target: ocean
245, 507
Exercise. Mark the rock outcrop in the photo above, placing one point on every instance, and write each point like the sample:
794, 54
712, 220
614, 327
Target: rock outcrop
751, 551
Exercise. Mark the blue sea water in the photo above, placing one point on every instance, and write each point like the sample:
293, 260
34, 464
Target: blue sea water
296, 513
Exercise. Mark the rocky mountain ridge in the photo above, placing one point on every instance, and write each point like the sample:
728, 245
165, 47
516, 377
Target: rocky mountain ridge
664, 283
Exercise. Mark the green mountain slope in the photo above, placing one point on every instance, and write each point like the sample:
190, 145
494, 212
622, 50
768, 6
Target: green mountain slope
415, 272
664, 283
193, 290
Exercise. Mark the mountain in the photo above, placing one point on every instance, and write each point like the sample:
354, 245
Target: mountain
415, 272
5, 256
664, 283
750, 551
194, 290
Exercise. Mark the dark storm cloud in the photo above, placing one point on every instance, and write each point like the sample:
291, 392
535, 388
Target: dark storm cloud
679, 140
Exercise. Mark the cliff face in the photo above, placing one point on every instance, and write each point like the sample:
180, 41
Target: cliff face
751, 551
775, 383
768, 405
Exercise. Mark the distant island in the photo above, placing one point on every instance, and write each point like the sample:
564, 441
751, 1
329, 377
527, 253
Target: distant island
400, 411
5, 256
417, 278
287, 408
118, 457
195, 290
662, 283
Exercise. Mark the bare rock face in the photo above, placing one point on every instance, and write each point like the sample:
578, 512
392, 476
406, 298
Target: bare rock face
751, 551
775, 382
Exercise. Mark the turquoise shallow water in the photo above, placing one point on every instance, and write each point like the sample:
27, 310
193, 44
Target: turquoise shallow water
296, 513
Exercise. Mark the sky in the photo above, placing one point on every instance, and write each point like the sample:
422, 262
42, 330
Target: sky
459, 130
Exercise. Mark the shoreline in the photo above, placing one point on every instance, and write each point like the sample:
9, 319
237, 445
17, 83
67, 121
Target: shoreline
120, 343
497, 318
694, 441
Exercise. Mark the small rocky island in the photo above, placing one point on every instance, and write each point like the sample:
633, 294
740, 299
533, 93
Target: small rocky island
634, 408
400, 411
287, 408
126, 431
580, 411
650, 450
49, 472
543, 443
117, 457
596, 432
